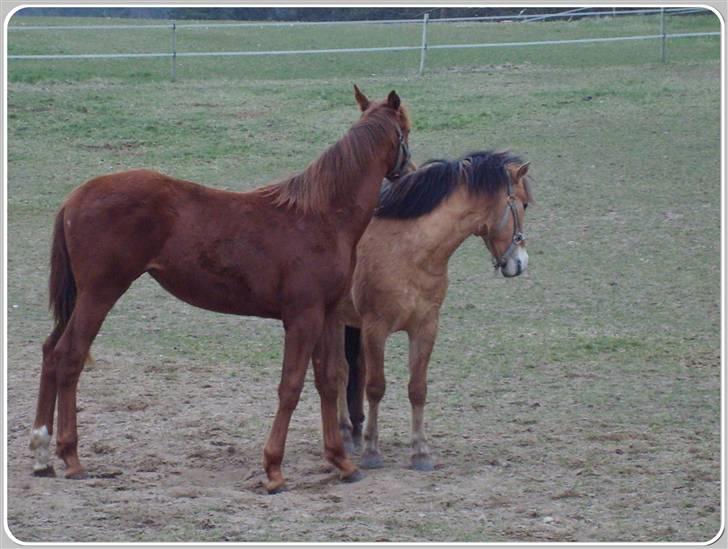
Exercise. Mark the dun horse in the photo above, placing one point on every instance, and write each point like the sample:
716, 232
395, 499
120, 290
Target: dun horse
283, 251
400, 278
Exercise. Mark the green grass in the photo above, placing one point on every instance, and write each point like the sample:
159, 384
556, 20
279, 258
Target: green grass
615, 328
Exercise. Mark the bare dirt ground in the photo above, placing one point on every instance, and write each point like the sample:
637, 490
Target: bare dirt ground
174, 454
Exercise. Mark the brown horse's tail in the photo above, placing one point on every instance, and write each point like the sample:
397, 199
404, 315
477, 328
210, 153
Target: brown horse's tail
62, 285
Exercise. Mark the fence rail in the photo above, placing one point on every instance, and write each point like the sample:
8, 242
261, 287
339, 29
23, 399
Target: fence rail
423, 47
361, 50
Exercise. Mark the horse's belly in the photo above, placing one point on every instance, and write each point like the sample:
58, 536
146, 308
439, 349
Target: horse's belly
231, 292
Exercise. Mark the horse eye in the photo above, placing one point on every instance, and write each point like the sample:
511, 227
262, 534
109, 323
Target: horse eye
525, 205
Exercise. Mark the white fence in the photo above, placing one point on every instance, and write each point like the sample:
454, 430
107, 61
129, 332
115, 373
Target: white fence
173, 54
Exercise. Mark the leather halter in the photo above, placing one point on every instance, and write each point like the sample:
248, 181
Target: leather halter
403, 157
518, 236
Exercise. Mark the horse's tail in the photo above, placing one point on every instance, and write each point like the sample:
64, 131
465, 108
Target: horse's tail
355, 388
62, 284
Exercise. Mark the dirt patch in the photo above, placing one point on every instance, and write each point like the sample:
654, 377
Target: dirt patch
183, 463
250, 114
120, 146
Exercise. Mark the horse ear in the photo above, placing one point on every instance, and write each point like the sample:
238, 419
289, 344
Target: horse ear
393, 100
361, 98
522, 170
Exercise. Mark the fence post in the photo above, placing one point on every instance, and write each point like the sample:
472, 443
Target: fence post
174, 51
663, 48
423, 50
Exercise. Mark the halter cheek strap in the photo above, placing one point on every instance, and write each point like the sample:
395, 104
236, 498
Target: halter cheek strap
518, 236
403, 157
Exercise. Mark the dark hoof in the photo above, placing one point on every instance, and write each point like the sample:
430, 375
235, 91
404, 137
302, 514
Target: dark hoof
77, 475
275, 486
422, 463
45, 472
356, 476
371, 460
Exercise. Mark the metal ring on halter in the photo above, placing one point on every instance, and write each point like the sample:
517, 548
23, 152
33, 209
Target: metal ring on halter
403, 157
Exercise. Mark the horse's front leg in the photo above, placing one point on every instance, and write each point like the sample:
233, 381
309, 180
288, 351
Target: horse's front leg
421, 342
328, 362
302, 332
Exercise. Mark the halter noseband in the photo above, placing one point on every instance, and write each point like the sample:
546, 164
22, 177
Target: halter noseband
518, 236
403, 157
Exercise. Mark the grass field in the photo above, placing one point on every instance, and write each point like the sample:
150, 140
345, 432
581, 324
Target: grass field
342, 36
580, 402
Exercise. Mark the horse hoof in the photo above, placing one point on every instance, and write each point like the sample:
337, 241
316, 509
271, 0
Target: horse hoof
275, 487
422, 463
76, 474
46, 471
356, 476
371, 460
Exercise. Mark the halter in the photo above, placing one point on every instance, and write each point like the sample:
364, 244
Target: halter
518, 236
403, 157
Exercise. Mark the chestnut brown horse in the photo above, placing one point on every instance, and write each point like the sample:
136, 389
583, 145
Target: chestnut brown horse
400, 280
284, 251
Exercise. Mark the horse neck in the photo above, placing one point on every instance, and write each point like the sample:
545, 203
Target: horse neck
355, 205
442, 231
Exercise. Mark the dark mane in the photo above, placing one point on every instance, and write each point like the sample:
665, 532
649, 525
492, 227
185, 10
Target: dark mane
313, 189
421, 191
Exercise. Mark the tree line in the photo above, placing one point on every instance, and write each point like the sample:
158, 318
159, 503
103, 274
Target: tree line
282, 14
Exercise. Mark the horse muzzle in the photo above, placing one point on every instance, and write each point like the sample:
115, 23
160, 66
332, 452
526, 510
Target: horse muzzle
516, 263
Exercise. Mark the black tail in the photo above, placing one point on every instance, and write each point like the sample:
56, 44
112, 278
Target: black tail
355, 388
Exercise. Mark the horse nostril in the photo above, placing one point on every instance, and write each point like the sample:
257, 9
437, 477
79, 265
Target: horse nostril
519, 266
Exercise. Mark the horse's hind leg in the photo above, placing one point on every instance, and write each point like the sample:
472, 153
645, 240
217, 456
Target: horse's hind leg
69, 356
328, 358
373, 340
345, 425
302, 332
43, 425
421, 342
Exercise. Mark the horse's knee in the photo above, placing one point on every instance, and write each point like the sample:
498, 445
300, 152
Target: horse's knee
375, 390
327, 391
67, 376
68, 363
327, 384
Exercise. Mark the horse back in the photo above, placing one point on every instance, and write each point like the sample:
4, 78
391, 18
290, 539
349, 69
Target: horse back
224, 251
